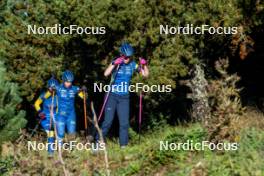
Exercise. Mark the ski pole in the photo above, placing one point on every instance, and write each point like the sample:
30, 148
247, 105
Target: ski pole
108, 93
51, 133
140, 111
51, 110
35, 129
140, 114
52, 119
85, 113
32, 133
22, 137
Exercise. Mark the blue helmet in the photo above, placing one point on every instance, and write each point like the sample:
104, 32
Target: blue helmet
52, 83
126, 49
67, 76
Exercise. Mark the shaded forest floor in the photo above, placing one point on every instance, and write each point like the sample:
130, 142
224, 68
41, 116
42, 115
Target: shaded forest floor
146, 158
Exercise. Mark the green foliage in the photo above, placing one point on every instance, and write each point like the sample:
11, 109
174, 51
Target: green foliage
31, 59
247, 160
6, 164
147, 159
11, 118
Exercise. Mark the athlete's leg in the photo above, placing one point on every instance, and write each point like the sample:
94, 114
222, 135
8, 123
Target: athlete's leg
71, 124
109, 115
48, 127
123, 116
60, 126
45, 123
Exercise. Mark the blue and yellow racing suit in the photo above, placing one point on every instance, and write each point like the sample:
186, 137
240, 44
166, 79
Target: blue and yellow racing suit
66, 116
48, 102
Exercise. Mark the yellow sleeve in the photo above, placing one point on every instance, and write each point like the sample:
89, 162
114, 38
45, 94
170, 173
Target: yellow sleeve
47, 94
37, 104
39, 101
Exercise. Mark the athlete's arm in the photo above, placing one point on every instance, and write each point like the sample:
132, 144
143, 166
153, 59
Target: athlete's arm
37, 104
115, 63
40, 100
143, 67
145, 71
109, 70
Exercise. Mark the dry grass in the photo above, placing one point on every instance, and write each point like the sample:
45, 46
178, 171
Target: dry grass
253, 118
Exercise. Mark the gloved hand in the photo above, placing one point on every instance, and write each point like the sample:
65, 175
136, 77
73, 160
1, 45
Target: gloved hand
84, 88
142, 61
52, 89
118, 61
42, 115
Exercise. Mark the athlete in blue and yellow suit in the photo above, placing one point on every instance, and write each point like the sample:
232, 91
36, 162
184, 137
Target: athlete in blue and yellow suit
66, 117
48, 100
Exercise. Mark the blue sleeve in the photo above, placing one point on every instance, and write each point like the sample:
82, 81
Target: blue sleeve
134, 66
42, 96
77, 89
57, 87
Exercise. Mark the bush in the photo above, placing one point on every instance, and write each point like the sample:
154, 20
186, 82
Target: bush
216, 102
11, 118
225, 104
